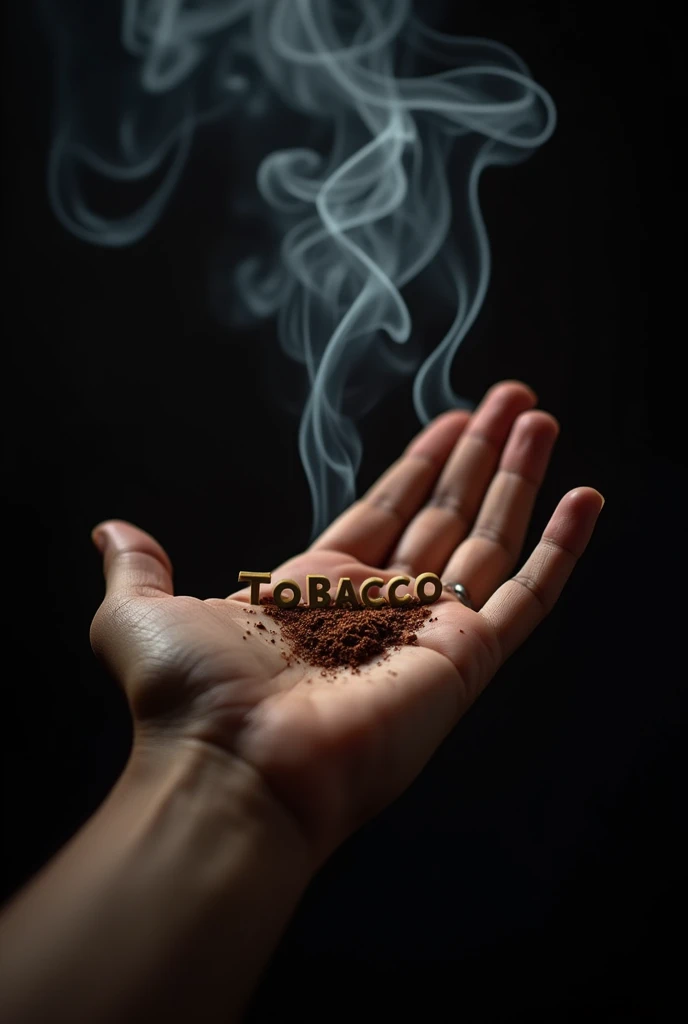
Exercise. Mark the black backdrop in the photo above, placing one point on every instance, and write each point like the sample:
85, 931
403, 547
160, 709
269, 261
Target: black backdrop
534, 869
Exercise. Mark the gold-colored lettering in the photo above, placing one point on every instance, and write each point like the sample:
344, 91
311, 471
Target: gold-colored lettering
318, 591
346, 593
393, 586
283, 602
420, 591
370, 584
255, 579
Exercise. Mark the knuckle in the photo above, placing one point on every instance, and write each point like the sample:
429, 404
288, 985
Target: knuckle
490, 650
494, 535
534, 588
450, 503
386, 503
520, 478
558, 548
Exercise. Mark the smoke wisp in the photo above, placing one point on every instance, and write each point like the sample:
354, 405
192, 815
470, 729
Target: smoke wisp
398, 122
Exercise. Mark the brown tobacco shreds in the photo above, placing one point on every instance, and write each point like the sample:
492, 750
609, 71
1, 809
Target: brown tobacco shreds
335, 637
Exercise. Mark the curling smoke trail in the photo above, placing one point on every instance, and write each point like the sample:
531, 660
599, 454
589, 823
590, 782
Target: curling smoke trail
391, 110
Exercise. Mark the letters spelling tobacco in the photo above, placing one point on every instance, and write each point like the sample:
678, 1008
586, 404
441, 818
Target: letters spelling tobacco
428, 589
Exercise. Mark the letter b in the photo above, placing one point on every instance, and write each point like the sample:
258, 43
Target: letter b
318, 591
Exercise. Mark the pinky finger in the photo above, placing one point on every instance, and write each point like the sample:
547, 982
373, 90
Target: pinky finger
520, 604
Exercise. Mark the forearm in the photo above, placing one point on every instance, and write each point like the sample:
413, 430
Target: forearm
166, 906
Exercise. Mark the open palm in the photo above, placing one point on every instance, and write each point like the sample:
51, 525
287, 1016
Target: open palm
335, 749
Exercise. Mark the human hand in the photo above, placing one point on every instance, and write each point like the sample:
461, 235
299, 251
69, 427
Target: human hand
333, 752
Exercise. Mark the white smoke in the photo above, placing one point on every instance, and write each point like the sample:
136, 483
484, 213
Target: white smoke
396, 122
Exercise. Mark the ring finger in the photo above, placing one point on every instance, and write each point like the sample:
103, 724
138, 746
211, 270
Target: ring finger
487, 556
433, 534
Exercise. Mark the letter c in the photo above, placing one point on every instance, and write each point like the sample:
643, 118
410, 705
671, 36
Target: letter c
370, 584
392, 587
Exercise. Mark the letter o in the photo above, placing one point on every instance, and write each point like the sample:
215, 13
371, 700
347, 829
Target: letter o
283, 585
428, 577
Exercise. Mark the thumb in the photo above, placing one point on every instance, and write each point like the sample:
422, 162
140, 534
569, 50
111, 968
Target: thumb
134, 563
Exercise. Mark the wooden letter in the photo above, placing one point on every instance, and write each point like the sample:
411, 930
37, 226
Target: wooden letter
318, 587
255, 579
370, 584
392, 587
346, 592
283, 602
432, 578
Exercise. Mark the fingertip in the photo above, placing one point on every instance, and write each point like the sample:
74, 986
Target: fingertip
106, 527
116, 535
512, 384
533, 429
573, 524
588, 498
99, 540
100, 534
440, 435
540, 420
452, 416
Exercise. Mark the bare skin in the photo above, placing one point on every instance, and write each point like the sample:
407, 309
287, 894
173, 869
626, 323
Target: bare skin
332, 753
246, 772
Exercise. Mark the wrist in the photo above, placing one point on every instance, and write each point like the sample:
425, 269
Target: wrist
167, 904
221, 795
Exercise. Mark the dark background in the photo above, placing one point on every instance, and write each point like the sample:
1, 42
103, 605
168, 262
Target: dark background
534, 870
